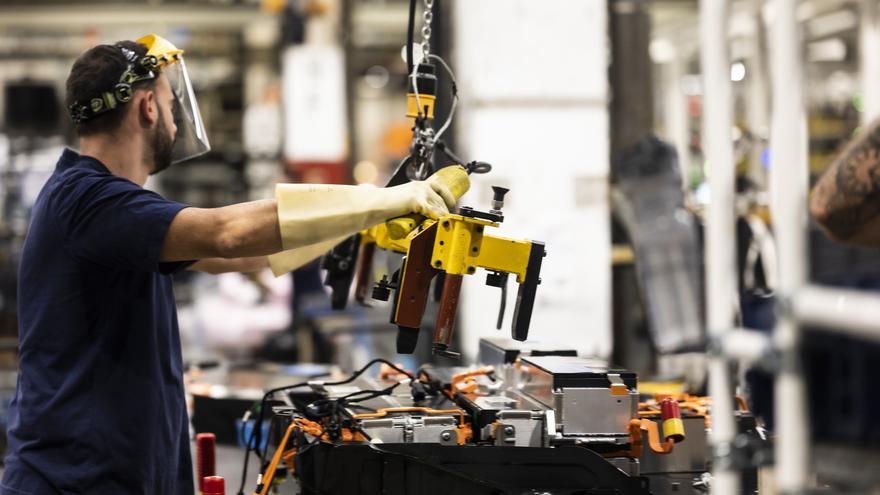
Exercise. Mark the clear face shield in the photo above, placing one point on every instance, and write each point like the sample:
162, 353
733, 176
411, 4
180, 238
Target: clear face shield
191, 139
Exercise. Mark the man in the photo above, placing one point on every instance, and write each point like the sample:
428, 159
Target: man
99, 406
846, 199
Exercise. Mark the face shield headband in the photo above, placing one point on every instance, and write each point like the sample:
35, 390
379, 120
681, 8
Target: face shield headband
191, 139
138, 69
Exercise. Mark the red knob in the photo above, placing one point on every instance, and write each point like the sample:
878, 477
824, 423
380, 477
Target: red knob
669, 409
205, 457
670, 413
213, 485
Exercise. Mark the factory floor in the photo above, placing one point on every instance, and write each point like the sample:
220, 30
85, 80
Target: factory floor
229, 465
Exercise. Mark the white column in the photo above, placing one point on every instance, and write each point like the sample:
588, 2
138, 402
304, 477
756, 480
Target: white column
720, 254
757, 110
534, 104
789, 183
869, 40
675, 115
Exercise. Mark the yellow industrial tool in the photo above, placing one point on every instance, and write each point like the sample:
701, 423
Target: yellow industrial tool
454, 245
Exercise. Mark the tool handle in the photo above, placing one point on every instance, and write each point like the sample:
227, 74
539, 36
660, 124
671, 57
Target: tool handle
455, 177
413, 290
340, 263
446, 314
364, 276
399, 227
525, 297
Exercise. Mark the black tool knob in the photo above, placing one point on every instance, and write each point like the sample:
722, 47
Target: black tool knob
382, 290
498, 197
418, 391
496, 279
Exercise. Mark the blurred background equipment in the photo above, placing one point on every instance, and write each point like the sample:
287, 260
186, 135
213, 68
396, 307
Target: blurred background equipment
635, 140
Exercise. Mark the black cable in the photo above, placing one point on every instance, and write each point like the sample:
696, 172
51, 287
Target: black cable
479, 167
371, 394
474, 167
258, 437
362, 407
444, 148
502, 306
410, 28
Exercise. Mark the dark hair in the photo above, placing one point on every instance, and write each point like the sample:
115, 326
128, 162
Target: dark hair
96, 71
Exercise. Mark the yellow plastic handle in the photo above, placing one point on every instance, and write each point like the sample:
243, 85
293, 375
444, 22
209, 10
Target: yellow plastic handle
456, 179
399, 227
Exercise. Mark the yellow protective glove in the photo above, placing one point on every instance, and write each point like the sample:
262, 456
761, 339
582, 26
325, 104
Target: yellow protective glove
290, 260
456, 180
309, 214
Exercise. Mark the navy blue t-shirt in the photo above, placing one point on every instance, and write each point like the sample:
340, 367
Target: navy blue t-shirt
99, 407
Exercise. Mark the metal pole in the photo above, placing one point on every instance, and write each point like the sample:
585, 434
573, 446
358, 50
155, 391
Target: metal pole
747, 346
678, 128
757, 109
788, 182
720, 255
851, 312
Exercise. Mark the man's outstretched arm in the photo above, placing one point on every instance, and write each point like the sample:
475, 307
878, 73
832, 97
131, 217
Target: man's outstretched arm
846, 200
216, 266
241, 230
301, 215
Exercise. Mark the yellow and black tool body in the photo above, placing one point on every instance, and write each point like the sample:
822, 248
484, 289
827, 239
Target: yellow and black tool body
455, 245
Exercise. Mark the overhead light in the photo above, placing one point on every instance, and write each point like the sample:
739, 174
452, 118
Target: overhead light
662, 51
377, 77
737, 71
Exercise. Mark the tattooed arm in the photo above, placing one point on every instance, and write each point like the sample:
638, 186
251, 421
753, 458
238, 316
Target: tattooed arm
846, 200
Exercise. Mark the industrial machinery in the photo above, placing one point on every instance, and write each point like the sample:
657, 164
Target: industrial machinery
532, 419
452, 246
455, 245
538, 424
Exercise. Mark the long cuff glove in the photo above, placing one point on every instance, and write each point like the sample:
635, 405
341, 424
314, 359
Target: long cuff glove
314, 218
309, 213
290, 260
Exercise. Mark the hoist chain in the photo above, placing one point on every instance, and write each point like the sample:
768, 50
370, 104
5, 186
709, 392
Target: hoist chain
426, 28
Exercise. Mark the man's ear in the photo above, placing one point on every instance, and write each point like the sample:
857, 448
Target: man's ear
148, 111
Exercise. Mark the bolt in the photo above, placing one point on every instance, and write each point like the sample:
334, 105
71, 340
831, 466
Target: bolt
445, 224
446, 436
438, 263
471, 270
441, 243
508, 430
474, 249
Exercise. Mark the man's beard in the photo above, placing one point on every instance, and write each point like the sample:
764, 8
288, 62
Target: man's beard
163, 145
